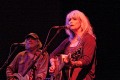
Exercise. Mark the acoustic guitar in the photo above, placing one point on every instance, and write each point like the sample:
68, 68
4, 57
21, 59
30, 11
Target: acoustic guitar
59, 63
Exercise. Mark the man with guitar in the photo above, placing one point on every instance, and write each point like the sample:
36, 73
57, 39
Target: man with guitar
18, 67
79, 51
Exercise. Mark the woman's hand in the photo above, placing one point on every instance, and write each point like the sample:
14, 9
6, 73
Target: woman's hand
76, 63
65, 58
51, 69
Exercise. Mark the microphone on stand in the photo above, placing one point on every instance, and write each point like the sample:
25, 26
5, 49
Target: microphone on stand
19, 44
61, 27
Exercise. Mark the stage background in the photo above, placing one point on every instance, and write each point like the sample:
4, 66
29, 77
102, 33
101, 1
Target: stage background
20, 17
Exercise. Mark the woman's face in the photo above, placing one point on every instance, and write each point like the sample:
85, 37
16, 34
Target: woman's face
74, 23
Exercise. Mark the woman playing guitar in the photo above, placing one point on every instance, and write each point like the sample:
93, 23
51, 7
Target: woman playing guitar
80, 46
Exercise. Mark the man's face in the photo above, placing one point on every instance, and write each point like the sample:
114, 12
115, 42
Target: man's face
31, 43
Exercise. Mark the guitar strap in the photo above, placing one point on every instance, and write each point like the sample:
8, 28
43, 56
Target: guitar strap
31, 65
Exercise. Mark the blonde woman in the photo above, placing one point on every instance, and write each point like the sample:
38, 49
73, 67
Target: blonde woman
80, 46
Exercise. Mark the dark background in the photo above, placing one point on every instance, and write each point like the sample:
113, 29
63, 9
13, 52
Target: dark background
20, 17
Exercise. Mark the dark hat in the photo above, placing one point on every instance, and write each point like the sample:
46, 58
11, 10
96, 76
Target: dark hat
35, 36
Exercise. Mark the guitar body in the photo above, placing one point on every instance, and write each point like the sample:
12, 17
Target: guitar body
59, 64
57, 75
18, 76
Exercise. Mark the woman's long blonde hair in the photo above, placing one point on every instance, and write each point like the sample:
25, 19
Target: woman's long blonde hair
85, 24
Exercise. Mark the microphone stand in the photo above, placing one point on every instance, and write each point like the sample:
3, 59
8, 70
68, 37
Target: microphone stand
10, 54
43, 50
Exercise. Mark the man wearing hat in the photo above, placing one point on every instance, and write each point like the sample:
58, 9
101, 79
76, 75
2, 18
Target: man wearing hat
21, 62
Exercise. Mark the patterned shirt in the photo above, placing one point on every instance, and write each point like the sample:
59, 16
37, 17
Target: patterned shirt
22, 61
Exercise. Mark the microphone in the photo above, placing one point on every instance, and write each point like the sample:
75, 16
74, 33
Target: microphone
19, 44
61, 27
